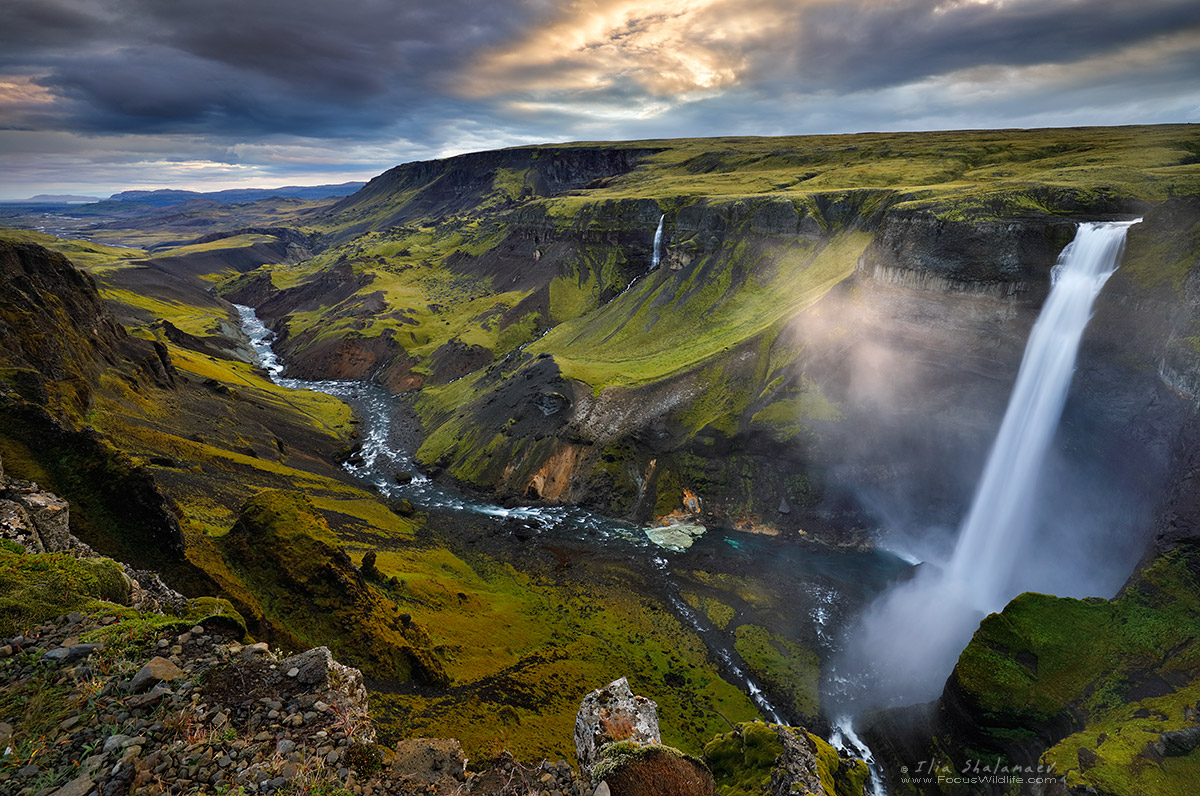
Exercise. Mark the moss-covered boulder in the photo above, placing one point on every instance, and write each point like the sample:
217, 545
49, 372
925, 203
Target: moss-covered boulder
757, 759
298, 588
631, 769
35, 587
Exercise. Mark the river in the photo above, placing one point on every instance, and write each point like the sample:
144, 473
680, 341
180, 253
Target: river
833, 583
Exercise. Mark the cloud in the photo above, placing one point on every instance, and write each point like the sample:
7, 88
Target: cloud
419, 79
616, 51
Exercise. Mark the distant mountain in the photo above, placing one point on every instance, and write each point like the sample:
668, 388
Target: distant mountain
60, 198
168, 197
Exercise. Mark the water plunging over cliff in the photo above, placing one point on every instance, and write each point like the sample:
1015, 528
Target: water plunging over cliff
997, 529
657, 256
915, 631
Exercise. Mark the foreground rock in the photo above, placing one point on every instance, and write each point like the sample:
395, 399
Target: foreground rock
630, 769
612, 714
619, 751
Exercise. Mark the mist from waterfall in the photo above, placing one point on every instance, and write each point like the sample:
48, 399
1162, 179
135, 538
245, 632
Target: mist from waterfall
908, 640
656, 257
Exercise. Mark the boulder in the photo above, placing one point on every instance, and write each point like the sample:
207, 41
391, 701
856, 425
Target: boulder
16, 525
80, 786
612, 714
75, 652
430, 760
1180, 742
630, 769
157, 670
313, 665
50, 515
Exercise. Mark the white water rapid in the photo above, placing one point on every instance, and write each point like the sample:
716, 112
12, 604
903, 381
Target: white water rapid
909, 639
657, 256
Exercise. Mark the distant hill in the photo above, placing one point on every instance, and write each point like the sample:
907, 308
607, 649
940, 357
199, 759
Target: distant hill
168, 197
60, 198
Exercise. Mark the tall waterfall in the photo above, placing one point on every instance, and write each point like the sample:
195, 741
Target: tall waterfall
997, 528
915, 631
657, 256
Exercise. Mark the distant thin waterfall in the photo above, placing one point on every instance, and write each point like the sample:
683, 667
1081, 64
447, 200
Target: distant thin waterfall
657, 256
997, 529
908, 640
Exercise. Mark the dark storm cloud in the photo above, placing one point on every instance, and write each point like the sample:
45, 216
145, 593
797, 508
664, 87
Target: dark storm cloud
50, 23
356, 67
865, 45
268, 86
238, 68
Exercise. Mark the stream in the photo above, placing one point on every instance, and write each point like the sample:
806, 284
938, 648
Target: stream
860, 575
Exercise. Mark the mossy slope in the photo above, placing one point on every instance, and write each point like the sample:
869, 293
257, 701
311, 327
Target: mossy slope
1094, 682
300, 589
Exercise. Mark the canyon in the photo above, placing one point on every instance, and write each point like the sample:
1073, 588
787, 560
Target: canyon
776, 365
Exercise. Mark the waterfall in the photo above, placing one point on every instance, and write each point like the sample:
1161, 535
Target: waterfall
654, 259
908, 640
997, 528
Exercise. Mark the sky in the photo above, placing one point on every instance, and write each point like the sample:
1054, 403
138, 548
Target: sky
98, 96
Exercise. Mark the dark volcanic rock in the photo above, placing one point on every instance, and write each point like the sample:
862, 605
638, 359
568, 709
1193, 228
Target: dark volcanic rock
455, 359
999, 258
58, 340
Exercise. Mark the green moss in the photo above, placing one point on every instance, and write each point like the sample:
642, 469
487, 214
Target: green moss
790, 417
783, 665
839, 776
623, 754
1043, 658
532, 646
301, 589
1124, 764
631, 341
509, 182
41, 586
570, 297
136, 631
741, 761
717, 612
1161, 260
668, 493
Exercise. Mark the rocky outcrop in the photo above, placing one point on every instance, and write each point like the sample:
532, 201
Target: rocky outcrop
619, 749
59, 340
38, 520
629, 769
1002, 259
609, 715
456, 359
